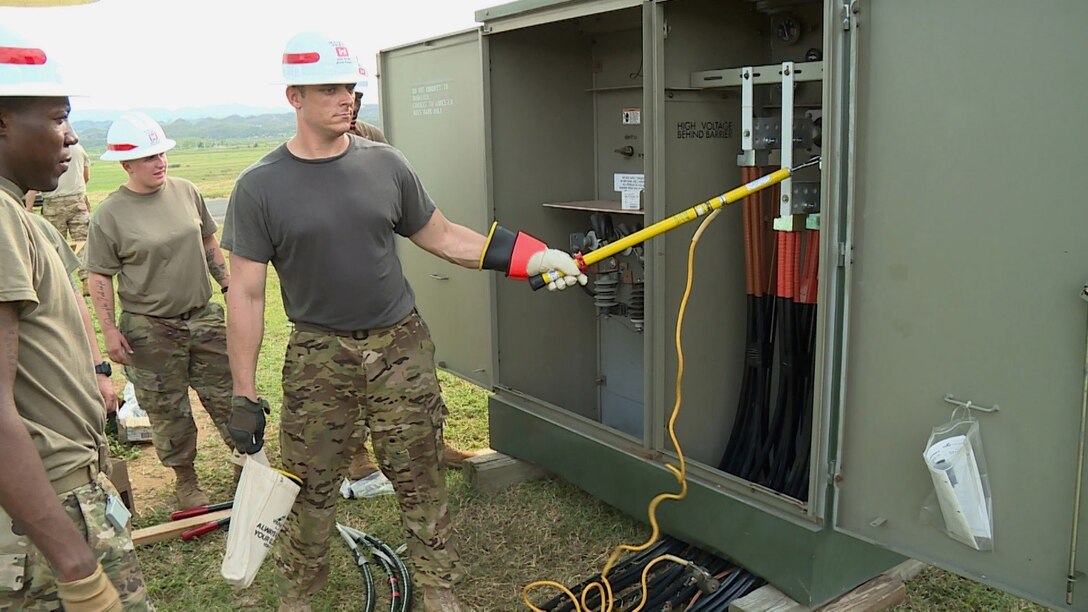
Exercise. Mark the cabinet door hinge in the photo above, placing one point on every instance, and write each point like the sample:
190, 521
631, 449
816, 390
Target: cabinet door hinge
849, 11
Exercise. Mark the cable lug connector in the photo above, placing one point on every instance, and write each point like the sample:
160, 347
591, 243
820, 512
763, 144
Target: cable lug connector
702, 579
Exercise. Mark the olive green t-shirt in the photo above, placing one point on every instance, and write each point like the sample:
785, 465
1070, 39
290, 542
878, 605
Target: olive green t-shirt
67, 257
369, 131
154, 244
55, 390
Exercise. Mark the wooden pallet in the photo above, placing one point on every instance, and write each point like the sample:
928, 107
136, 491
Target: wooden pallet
881, 593
491, 472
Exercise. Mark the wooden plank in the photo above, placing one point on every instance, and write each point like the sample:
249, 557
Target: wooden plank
766, 599
880, 593
173, 529
491, 472
907, 570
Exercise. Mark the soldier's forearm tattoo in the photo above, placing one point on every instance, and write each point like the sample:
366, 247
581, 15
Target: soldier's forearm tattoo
217, 267
103, 304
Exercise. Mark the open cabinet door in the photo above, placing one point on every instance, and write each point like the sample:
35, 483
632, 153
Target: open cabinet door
966, 248
433, 111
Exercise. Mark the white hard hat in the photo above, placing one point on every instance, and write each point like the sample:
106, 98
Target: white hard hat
363, 80
27, 70
311, 58
135, 135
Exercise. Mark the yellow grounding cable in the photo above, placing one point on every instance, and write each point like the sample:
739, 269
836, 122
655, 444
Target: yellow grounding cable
679, 471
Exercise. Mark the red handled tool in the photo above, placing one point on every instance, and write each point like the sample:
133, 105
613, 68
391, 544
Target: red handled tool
199, 510
209, 527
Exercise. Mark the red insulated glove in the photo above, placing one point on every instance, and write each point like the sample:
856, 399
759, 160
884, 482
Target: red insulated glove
521, 256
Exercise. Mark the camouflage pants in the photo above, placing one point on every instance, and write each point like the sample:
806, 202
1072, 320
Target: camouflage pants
22, 564
69, 215
334, 387
169, 356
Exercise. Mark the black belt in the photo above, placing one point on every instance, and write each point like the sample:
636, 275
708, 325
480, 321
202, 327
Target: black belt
185, 316
357, 334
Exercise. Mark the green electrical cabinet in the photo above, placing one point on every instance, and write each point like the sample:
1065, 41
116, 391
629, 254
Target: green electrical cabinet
952, 253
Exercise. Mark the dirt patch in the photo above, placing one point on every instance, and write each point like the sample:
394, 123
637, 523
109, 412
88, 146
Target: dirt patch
153, 484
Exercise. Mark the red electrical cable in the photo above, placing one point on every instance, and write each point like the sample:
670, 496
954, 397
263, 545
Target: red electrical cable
810, 275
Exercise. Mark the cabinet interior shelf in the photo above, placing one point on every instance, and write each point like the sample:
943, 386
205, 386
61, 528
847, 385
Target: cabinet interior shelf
594, 206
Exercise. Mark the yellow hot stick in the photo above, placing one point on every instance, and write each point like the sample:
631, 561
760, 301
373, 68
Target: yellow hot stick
674, 222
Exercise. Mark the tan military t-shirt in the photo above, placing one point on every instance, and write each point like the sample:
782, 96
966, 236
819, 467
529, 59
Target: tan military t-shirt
71, 182
67, 257
153, 244
55, 390
369, 131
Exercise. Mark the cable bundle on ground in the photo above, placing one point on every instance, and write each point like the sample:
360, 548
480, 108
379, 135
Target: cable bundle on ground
709, 584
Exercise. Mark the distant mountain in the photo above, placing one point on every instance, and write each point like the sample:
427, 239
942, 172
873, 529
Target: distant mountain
166, 114
211, 131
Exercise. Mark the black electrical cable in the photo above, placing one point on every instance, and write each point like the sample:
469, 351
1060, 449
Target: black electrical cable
405, 592
750, 430
368, 580
399, 579
737, 585
363, 564
391, 572
797, 477
622, 576
662, 587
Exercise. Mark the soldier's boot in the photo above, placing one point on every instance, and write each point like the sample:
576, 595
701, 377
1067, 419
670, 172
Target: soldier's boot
294, 605
187, 489
454, 457
361, 465
436, 599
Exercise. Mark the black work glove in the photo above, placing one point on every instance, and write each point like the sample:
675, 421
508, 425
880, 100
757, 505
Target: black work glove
246, 424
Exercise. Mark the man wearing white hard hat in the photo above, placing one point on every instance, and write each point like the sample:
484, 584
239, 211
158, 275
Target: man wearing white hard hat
64, 538
324, 209
156, 236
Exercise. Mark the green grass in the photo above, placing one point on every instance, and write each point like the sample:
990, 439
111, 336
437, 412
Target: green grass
936, 589
214, 170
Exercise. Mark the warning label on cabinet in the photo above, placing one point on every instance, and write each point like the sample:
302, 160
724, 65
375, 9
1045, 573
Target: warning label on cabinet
704, 129
431, 99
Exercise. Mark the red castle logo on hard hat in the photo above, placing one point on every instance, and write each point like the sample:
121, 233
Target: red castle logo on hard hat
342, 52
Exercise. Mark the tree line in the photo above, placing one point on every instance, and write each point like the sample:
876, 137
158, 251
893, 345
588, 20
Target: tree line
212, 132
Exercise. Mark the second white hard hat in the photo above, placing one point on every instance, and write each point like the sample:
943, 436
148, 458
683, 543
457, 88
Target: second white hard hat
362, 82
311, 58
27, 70
135, 135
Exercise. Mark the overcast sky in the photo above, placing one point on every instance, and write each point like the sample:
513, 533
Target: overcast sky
178, 53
